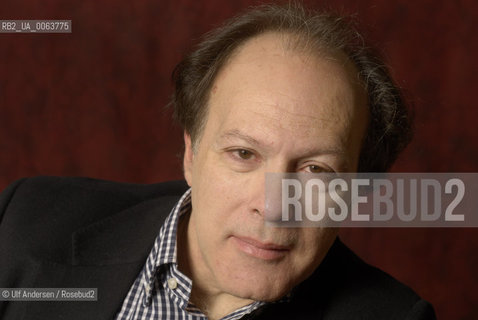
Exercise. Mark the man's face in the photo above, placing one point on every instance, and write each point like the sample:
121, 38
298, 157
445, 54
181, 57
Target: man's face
271, 109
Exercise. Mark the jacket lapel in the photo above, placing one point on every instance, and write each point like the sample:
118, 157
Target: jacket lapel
108, 255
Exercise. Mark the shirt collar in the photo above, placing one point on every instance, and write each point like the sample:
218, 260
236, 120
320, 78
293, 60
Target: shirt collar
165, 249
168, 235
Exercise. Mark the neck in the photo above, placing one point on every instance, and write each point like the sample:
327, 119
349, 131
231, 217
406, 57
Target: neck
205, 294
216, 306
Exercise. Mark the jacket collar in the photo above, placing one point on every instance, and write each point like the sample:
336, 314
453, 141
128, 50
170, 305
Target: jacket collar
108, 255
122, 238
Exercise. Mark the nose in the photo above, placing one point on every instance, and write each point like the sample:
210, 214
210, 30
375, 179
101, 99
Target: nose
256, 192
266, 191
274, 197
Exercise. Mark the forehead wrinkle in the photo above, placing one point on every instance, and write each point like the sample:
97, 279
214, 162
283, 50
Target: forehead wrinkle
299, 122
277, 111
303, 126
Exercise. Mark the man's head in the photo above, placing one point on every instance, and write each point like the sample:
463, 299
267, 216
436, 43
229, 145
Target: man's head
389, 129
272, 100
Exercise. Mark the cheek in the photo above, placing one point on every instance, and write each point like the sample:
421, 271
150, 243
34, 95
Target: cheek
216, 200
218, 187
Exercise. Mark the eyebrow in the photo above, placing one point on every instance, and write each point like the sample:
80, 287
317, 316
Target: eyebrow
236, 134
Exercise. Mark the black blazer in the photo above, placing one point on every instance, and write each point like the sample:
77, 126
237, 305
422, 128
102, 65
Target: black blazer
87, 233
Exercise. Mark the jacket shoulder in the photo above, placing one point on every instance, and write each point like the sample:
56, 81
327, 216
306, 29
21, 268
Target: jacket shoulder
49, 183
40, 214
58, 197
39, 191
345, 287
368, 291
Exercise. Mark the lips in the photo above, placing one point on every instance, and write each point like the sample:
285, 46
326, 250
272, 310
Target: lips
258, 249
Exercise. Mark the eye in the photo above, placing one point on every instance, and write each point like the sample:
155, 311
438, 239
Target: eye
242, 160
314, 169
317, 168
244, 154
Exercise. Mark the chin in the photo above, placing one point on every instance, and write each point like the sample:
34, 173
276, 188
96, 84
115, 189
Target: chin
260, 290
267, 296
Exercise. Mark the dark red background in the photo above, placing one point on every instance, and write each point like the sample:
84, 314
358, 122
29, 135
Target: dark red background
91, 103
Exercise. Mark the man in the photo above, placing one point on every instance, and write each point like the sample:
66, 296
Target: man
274, 90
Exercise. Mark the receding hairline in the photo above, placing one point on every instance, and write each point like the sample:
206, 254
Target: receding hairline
293, 42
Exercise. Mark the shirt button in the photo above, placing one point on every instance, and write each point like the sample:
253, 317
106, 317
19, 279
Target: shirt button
172, 283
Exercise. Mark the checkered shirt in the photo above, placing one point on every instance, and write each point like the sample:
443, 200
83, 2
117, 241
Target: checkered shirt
161, 291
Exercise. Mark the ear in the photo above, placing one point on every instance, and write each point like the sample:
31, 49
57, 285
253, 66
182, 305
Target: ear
188, 159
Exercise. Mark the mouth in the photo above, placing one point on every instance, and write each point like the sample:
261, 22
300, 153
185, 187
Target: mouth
260, 250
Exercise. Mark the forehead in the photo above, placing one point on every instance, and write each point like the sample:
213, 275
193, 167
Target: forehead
265, 63
267, 88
